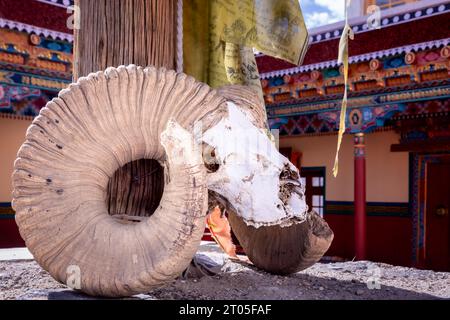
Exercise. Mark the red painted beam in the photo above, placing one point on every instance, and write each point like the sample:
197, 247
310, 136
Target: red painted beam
360, 198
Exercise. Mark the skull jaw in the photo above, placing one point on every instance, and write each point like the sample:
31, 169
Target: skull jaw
284, 250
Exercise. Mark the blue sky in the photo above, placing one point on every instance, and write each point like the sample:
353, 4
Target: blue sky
322, 12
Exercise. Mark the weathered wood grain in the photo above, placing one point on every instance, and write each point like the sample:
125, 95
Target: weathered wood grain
118, 32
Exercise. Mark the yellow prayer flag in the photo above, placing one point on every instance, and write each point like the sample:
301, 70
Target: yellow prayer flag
347, 34
218, 37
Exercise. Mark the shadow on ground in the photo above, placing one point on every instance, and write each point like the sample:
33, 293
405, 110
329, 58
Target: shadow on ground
250, 284
26, 280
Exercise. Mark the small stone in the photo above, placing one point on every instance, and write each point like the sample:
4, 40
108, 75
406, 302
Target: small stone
321, 288
348, 271
359, 292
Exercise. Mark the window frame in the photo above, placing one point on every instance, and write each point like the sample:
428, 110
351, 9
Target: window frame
323, 173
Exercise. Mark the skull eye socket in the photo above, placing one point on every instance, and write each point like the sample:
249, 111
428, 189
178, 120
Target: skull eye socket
288, 174
209, 158
289, 184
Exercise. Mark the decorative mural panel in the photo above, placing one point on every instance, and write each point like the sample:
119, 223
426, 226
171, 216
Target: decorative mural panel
23, 101
55, 45
302, 125
364, 119
401, 79
398, 84
394, 62
33, 69
424, 121
32, 81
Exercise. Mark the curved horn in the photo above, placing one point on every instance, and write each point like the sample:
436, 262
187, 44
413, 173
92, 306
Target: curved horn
248, 101
74, 146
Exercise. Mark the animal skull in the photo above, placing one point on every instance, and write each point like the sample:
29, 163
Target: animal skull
273, 225
260, 183
113, 117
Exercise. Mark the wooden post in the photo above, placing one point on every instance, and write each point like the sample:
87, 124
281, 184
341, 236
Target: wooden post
118, 32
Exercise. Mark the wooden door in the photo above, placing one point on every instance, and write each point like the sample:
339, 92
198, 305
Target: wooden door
437, 234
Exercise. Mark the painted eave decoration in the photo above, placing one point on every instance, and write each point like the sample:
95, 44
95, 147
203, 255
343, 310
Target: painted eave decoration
35, 55
393, 72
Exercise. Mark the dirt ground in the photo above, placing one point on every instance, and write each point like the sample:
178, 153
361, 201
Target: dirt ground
347, 280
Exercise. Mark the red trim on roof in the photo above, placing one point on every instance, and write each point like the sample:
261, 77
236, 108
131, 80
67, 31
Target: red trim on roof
415, 31
35, 13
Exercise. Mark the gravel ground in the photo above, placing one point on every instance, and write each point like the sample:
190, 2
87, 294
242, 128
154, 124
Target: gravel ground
347, 280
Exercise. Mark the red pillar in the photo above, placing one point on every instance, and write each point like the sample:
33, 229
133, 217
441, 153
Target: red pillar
360, 196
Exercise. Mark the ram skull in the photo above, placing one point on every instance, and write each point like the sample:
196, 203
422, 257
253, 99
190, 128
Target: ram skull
113, 117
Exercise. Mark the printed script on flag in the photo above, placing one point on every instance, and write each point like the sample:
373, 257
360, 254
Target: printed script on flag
219, 37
